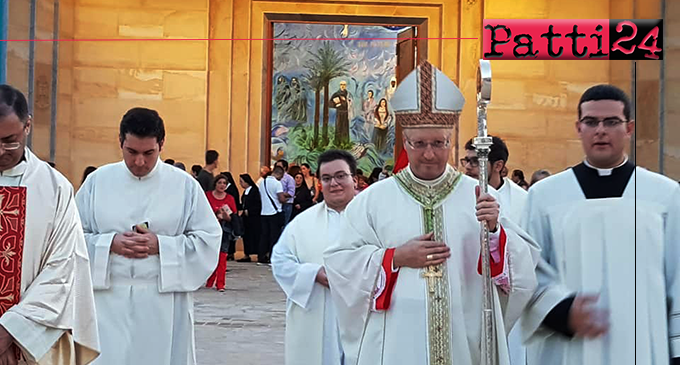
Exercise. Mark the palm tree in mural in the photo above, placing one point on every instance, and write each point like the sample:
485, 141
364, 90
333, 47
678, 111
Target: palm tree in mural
328, 64
315, 81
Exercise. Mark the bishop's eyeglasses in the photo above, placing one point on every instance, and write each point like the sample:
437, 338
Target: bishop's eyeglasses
422, 145
609, 122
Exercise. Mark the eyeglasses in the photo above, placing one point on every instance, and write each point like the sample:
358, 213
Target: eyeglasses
607, 122
11, 146
472, 161
421, 145
339, 177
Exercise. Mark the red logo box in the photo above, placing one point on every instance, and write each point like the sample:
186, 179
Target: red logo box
572, 39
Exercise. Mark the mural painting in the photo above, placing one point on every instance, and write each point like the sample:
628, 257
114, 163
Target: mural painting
333, 93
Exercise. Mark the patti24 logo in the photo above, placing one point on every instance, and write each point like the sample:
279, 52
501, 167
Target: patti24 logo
590, 39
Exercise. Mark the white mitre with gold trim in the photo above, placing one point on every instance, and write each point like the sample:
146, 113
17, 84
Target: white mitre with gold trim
427, 98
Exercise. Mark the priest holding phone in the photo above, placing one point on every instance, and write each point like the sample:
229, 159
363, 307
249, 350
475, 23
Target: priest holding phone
152, 239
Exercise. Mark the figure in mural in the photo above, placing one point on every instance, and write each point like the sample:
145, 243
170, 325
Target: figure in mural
282, 98
391, 88
339, 102
369, 111
382, 119
298, 104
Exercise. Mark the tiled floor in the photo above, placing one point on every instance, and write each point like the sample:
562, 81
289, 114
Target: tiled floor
243, 325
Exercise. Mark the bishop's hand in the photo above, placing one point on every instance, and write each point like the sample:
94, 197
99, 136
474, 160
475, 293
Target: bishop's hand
488, 209
585, 320
421, 252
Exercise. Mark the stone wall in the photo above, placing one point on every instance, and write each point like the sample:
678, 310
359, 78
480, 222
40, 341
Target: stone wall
672, 86
109, 78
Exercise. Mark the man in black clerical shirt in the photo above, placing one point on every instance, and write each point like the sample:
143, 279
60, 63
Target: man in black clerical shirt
609, 279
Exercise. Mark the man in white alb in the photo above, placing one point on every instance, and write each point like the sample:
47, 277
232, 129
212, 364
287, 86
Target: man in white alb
312, 335
512, 199
153, 240
609, 281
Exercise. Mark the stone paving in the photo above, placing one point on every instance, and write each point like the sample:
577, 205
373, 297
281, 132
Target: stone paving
243, 325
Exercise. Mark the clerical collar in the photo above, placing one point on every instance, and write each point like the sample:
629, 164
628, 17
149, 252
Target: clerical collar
604, 172
18, 169
596, 185
248, 190
150, 174
429, 183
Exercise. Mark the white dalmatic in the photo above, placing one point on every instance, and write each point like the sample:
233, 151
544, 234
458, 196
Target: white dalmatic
512, 199
145, 306
54, 322
312, 335
623, 249
434, 320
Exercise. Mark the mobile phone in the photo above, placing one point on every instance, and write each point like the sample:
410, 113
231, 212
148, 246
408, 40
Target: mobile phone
144, 225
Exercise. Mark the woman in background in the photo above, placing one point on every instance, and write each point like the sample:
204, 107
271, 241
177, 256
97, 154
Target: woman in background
311, 181
250, 213
303, 196
232, 190
224, 206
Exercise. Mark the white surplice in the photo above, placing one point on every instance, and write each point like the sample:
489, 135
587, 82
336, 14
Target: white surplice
145, 306
54, 322
512, 199
386, 216
312, 335
624, 249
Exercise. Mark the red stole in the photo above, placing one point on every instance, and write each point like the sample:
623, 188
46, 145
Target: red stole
12, 235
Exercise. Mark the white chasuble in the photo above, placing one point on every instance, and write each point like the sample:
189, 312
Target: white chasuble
434, 320
312, 335
623, 249
145, 306
54, 321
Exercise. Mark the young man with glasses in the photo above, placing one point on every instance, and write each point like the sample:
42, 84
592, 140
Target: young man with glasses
609, 279
312, 335
46, 303
512, 198
404, 272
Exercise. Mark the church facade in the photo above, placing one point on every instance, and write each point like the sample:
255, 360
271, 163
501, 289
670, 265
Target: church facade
211, 79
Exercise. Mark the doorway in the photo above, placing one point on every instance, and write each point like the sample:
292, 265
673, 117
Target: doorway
328, 84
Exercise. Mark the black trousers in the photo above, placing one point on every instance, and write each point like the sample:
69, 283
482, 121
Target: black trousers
272, 226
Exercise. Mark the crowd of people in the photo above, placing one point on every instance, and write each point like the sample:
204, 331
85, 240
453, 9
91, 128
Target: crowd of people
378, 269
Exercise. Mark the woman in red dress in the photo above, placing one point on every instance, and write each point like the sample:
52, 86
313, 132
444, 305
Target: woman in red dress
224, 206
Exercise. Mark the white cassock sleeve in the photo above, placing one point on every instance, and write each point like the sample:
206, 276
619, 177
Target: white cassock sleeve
297, 279
549, 292
353, 264
672, 244
59, 299
98, 244
188, 259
